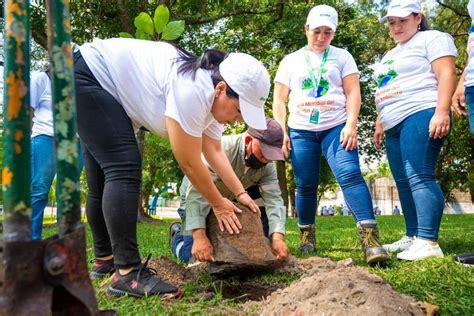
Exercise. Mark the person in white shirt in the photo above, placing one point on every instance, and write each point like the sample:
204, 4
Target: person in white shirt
463, 104
125, 84
321, 82
415, 83
43, 165
463, 98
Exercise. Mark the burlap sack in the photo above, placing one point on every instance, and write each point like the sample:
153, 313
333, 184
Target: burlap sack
248, 251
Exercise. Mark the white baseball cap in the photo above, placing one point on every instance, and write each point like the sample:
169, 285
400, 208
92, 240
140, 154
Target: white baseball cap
249, 78
402, 8
322, 15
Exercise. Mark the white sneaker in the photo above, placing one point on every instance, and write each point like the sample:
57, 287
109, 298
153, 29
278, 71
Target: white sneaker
420, 249
399, 245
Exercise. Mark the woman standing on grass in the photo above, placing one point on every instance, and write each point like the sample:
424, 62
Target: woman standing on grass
125, 84
415, 82
322, 84
463, 104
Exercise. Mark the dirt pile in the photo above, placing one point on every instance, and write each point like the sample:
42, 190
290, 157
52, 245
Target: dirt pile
170, 271
325, 288
329, 288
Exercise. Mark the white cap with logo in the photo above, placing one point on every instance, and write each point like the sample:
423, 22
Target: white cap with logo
402, 8
249, 78
322, 15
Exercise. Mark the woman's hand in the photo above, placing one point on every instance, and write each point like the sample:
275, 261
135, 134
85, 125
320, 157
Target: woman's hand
225, 214
280, 96
349, 137
439, 125
202, 248
459, 101
378, 135
286, 145
246, 200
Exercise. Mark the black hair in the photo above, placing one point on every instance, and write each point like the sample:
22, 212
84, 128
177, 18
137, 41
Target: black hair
424, 25
209, 60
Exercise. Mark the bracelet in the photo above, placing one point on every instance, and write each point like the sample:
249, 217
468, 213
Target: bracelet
238, 195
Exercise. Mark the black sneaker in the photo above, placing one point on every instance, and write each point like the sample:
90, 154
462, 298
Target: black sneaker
466, 259
140, 282
174, 228
102, 268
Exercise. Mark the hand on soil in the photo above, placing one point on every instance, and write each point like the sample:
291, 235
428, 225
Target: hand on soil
246, 200
226, 217
202, 248
279, 248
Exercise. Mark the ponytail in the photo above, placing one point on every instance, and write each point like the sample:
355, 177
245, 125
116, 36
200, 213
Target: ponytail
209, 60
424, 25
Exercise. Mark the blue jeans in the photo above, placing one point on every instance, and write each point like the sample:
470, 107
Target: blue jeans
181, 245
307, 147
43, 170
469, 92
412, 156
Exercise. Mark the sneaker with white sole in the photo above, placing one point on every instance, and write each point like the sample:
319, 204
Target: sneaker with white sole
420, 249
399, 245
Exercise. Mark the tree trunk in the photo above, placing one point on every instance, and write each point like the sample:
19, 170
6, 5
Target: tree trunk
281, 175
146, 190
142, 215
124, 16
293, 202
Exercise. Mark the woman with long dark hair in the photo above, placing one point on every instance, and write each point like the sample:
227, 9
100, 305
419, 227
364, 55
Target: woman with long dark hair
126, 84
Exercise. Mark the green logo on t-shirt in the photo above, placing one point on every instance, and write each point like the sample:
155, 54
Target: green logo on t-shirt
471, 29
385, 79
308, 87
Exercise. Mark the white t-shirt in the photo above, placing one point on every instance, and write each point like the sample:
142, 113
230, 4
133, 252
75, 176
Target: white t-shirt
330, 100
469, 79
41, 102
142, 76
406, 82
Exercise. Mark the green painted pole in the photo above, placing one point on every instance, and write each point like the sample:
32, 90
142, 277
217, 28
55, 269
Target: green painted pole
61, 61
16, 172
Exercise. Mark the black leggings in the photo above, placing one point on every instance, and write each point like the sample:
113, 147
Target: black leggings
113, 168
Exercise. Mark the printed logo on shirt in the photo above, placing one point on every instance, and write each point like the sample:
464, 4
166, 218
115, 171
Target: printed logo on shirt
387, 78
471, 29
308, 88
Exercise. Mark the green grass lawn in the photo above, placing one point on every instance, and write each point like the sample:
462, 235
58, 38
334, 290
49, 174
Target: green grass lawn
437, 281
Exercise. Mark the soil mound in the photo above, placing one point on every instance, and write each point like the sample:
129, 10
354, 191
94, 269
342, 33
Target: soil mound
170, 271
329, 288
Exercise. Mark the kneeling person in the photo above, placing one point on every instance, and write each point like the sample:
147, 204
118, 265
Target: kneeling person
249, 154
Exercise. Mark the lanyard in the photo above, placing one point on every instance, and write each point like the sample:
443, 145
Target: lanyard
320, 69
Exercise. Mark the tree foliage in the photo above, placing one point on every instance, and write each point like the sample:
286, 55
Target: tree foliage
271, 29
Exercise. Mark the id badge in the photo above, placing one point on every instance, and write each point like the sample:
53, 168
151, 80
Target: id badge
314, 117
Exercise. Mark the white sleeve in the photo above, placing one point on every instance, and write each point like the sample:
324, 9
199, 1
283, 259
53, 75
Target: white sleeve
38, 83
214, 130
283, 72
187, 105
440, 45
349, 66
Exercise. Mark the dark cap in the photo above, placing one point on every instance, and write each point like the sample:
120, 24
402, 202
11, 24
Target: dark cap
271, 140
